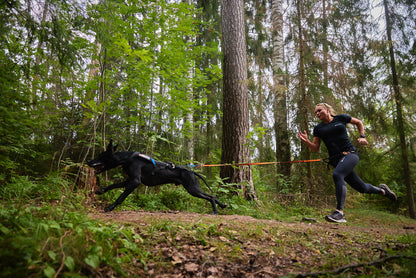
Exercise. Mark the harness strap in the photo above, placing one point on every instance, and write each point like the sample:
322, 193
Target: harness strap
145, 157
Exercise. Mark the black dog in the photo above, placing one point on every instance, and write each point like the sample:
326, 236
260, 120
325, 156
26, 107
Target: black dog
141, 169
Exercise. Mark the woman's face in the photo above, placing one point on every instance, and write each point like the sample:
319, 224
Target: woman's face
321, 112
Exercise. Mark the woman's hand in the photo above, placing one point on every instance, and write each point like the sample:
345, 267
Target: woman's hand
314, 145
303, 136
362, 141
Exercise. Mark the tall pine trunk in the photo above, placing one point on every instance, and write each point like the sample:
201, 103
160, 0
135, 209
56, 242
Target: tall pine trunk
235, 99
399, 115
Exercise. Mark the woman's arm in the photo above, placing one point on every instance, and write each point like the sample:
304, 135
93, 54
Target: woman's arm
314, 145
360, 128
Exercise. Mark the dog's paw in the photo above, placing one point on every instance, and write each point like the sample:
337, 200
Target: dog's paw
108, 208
99, 191
223, 206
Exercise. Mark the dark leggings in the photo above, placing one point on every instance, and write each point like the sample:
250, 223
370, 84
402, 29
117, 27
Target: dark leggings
344, 171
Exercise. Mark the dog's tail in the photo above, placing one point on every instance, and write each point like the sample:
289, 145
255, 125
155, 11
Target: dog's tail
202, 178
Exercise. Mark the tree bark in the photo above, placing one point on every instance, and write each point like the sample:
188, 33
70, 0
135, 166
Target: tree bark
235, 99
280, 104
325, 43
190, 114
302, 88
399, 115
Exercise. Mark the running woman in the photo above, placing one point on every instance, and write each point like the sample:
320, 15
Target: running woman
342, 155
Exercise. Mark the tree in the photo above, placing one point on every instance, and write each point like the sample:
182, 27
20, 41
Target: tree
152, 86
15, 101
283, 152
235, 99
207, 147
399, 115
258, 66
302, 87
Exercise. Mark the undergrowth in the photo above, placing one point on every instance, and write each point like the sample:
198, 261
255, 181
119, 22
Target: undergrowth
45, 230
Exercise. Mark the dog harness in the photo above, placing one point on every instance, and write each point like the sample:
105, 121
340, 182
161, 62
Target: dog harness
145, 157
167, 165
148, 158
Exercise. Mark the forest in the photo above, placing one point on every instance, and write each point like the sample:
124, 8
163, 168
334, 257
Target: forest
206, 84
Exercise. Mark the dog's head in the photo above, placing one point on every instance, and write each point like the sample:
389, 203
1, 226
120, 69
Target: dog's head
105, 160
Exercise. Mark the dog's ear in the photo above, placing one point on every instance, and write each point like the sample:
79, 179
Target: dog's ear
110, 147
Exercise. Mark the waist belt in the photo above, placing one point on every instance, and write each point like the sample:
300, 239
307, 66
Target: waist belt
337, 157
345, 153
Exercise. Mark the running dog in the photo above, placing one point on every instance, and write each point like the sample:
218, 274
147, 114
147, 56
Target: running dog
142, 169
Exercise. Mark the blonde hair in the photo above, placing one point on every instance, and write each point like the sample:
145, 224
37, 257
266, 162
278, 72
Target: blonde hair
329, 107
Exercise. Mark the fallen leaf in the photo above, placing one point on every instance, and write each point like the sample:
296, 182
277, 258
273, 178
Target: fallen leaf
176, 260
212, 270
191, 267
223, 239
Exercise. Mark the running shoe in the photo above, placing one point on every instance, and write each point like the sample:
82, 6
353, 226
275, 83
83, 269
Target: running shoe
336, 217
388, 193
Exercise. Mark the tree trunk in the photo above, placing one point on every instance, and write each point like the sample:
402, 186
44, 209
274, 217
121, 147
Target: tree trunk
280, 104
190, 114
399, 115
302, 89
325, 44
235, 99
190, 120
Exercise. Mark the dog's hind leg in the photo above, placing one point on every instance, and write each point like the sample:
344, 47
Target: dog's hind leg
103, 190
214, 201
196, 191
219, 203
211, 199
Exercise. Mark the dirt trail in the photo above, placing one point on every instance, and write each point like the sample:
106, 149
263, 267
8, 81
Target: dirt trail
243, 246
240, 220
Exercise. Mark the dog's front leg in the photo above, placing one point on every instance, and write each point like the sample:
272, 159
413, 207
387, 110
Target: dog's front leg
129, 189
103, 190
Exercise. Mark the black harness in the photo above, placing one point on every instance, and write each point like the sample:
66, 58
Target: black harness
160, 165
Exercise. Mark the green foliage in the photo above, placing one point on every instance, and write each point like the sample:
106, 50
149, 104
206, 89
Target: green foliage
40, 240
44, 228
73, 74
149, 59
80, 73
63, 73
17, 121
45, 233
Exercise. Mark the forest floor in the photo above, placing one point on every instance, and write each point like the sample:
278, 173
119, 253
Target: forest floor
182, 244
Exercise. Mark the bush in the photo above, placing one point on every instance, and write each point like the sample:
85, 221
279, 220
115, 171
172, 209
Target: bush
54, 234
